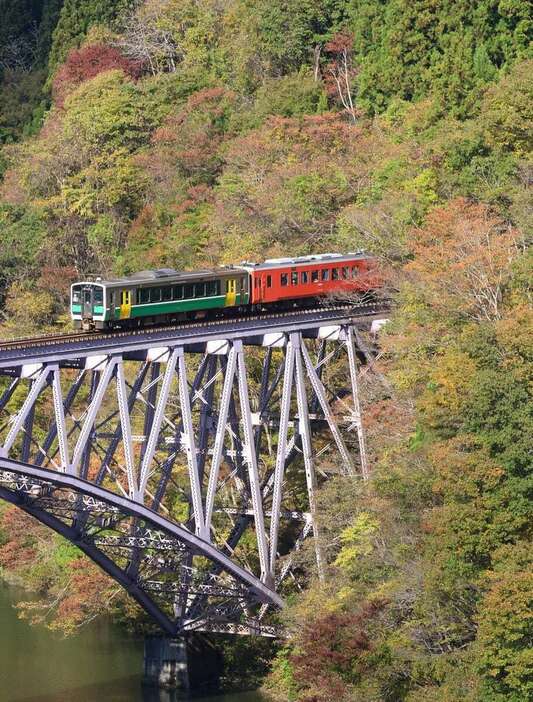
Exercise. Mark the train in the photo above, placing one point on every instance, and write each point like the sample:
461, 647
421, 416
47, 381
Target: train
162, 296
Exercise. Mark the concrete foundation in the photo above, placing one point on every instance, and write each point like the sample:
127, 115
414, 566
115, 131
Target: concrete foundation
181, 666
166, 663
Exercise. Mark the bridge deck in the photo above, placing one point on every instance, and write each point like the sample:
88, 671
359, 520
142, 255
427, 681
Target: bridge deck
192, 336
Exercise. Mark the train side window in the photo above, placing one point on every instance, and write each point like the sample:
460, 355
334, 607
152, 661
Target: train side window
284, 279
178, 292
144, 296
314, 276
167, 294
155, 294
325, 274
334, 274
294, 278
243, 285
269, 281
304, 277
199, 290
189, 291
354, 272
345, 272
217, 287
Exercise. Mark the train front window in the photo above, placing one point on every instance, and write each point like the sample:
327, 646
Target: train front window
87, 297
98, 296
76, 295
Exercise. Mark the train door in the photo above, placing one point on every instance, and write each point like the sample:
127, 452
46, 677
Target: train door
261, 282
87, 301
231, 292
125, 304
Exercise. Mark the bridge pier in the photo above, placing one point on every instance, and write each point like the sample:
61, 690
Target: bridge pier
166, 663
186, 664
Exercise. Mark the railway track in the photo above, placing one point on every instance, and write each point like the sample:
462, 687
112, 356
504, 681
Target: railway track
58, 339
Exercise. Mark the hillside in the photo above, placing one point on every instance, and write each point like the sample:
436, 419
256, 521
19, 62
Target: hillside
184, 133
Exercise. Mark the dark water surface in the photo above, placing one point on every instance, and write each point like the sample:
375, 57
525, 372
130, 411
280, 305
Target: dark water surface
100, 664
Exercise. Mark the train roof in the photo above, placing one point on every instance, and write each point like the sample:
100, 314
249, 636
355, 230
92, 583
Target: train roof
306, 260
163, 275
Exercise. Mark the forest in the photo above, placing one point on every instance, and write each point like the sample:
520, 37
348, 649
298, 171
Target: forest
192, 133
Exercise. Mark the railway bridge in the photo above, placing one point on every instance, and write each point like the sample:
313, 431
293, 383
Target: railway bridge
184, 460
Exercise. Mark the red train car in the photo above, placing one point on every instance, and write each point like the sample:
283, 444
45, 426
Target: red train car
280, 279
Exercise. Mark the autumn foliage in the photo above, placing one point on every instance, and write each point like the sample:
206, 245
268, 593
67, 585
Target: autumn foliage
194, 133
333, 652
463, 257
86, 63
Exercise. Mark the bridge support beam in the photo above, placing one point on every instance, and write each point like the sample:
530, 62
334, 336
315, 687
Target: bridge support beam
198, 492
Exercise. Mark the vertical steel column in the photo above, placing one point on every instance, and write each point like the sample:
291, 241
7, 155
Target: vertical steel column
86, 458
123, 407
281, 455
166, 468
52, 433
251, 460
151, 442
60, 426
263, 394
237, 461
36, 387
219, 439
92, 411
190, 448
321, 395
305, 433
352, 362
28, 434
319, 371
113, 444
149, 407
206, 409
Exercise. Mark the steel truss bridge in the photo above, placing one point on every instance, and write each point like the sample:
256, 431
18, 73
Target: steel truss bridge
184, 461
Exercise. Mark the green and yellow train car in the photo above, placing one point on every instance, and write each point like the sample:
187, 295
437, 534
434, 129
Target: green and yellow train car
158, 296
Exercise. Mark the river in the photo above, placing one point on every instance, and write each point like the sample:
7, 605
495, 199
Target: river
101, 664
